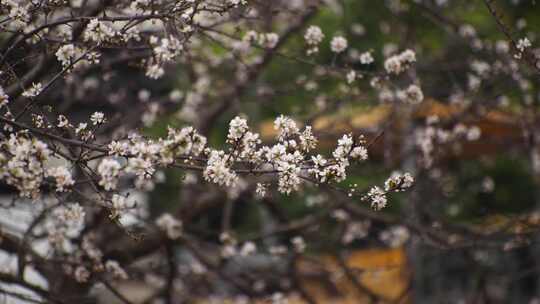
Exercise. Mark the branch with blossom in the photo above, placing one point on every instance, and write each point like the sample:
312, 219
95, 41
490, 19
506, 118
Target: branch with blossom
124, 140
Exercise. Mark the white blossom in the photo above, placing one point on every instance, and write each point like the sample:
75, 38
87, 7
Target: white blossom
4, 98
114, 268
474, 133
237, 128
98, 32
248, 248
395, 236
218, 171
67, 54
377, 197
62, 121
338, 44
268, 40
62, 176
118, 148
344, 147
97, 118
154, 71
81, 127
359, 153
170, 225
22, 163
236, 2
355, 231
71, 215
119, 205
285, 126
167, 48
412, 95
82, 274
299, 244
399, 63
313, 35
523, 44
34, 91
261, 190
288, 177
366, 58
308, 141
398, 182
351, 76
108, 170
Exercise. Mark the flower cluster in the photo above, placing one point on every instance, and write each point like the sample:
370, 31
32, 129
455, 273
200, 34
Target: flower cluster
88, 259
144, 156
395, 236
366, 58
397, 182
23, 162
218, 170
116, 270
19, 12
261, 189
237, 129
399, 63
186, 141
119, 205
338, 44
108, 170
165, 50
170, 225
356, 230
377, 198
99, 32
72, 56
521, 46
265, 40
288, 158
97, 118
412, 95
62, 177
4, 98
313, 36
33, 91
67, 222
428, 138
